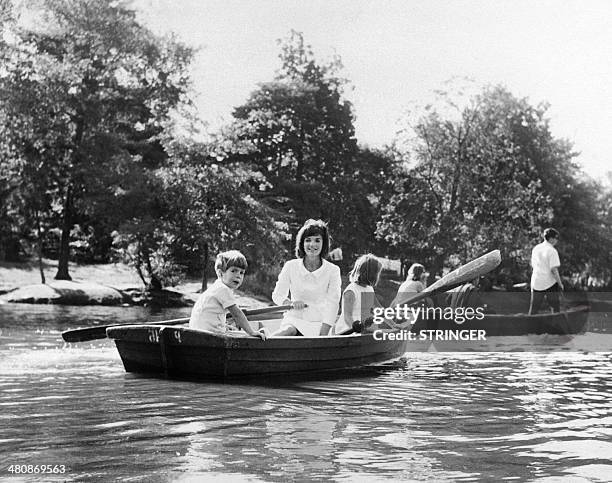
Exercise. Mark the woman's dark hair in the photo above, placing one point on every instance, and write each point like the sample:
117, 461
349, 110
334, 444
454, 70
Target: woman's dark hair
312, 228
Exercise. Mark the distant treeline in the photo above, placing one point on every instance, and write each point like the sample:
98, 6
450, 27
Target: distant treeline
101, 160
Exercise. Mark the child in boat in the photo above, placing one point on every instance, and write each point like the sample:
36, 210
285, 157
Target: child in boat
209, 311
414, 283
359, 299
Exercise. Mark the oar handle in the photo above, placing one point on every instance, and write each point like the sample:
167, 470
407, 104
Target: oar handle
99, 332
267, 310
254, 314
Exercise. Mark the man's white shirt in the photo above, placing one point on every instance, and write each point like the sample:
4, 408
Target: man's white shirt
544, 257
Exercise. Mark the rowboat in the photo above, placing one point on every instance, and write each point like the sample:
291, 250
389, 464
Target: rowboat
183, 352
572, 321
189, 353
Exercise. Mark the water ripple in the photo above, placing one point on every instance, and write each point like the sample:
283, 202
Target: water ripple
430, 416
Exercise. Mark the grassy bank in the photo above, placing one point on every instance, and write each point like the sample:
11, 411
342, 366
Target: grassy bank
116, 275
14, 275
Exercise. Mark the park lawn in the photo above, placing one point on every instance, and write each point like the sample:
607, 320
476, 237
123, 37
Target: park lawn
118, 275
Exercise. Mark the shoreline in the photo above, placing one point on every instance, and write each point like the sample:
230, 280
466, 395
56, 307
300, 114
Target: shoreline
112, 284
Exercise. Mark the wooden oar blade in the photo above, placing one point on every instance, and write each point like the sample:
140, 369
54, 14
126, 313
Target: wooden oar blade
471, 270
82, 335
99, 332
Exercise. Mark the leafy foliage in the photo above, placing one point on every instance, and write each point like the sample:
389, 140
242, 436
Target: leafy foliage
89, 156
300, 134
490, 177
84, 88
191, 209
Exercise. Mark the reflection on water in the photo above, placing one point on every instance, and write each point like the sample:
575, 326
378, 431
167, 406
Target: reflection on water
436, 416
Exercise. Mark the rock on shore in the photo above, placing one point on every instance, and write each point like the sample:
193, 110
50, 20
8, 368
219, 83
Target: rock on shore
67, 293
64, 292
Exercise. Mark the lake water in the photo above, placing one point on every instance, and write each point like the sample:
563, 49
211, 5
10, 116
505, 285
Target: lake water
430, 416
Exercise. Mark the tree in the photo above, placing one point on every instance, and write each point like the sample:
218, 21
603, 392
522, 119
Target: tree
587, 237
185, 212
29, 169
102, 87
301, 138
603, 267
476, 182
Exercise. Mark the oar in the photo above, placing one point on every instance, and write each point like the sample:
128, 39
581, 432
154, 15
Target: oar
99, 331
465, 273
471, 270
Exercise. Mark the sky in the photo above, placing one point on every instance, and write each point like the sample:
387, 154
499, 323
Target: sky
397, 52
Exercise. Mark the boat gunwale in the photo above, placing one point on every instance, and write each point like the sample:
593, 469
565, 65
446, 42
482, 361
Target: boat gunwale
576, 310
327, 341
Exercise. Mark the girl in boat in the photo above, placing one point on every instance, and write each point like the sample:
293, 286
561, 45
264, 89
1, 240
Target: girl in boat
414, 283
359, 299
310, 284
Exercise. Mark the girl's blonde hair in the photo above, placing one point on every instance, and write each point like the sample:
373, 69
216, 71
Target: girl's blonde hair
366, 270
415, 272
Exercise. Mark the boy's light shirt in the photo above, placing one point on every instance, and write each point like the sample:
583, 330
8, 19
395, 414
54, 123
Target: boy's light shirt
209, 312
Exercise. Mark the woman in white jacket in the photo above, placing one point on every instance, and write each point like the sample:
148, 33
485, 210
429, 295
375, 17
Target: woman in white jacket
310, 284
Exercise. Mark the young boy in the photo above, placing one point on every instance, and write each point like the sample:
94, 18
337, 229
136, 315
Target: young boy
208, 313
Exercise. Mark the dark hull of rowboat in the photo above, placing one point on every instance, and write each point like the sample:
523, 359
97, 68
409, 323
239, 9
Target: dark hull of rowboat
187, 353
572, 321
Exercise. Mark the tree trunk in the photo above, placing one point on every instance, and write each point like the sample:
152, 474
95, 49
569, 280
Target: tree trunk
40, 247
436, 268
141, 275
154, 281
204, 268
403, 268
299, 157
64, 251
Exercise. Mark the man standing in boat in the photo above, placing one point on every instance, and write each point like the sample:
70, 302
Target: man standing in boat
545, 279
